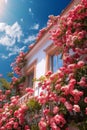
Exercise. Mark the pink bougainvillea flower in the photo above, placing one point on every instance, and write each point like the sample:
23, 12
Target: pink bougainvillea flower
76, 108
55, 110
85, 99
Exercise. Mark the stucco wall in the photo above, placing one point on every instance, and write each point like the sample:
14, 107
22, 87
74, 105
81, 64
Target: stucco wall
38, 53
40, 56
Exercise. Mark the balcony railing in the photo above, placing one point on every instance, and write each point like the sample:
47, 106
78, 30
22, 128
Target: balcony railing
23, 99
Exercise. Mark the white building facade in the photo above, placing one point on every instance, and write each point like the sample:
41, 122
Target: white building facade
43, 56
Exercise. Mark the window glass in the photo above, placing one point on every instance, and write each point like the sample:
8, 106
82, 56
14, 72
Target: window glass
56, 62
30, 79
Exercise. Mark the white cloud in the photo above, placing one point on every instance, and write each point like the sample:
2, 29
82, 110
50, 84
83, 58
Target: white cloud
30, 11
12, 51
30, 39
21, 19
3, 56
15, 50
11, 34
2, 27
35, 27
7, 41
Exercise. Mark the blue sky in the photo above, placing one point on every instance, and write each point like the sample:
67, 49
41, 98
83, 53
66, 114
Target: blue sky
20, 22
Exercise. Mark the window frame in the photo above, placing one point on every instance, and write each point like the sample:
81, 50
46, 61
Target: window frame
30, 78
31, 68
50, 51
55, 62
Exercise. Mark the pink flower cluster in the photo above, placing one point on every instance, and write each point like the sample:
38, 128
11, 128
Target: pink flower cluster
64, 94
19, 63
67, 89
12, 116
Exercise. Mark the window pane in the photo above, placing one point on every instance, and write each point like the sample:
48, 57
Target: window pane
30, 79
56, 62
59, 61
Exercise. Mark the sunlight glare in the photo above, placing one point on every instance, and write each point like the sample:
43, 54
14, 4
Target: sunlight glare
6, 1
2, 6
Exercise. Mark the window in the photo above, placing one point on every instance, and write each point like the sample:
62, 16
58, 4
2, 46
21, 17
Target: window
53, 58
30, 79
31, 74
55, 62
